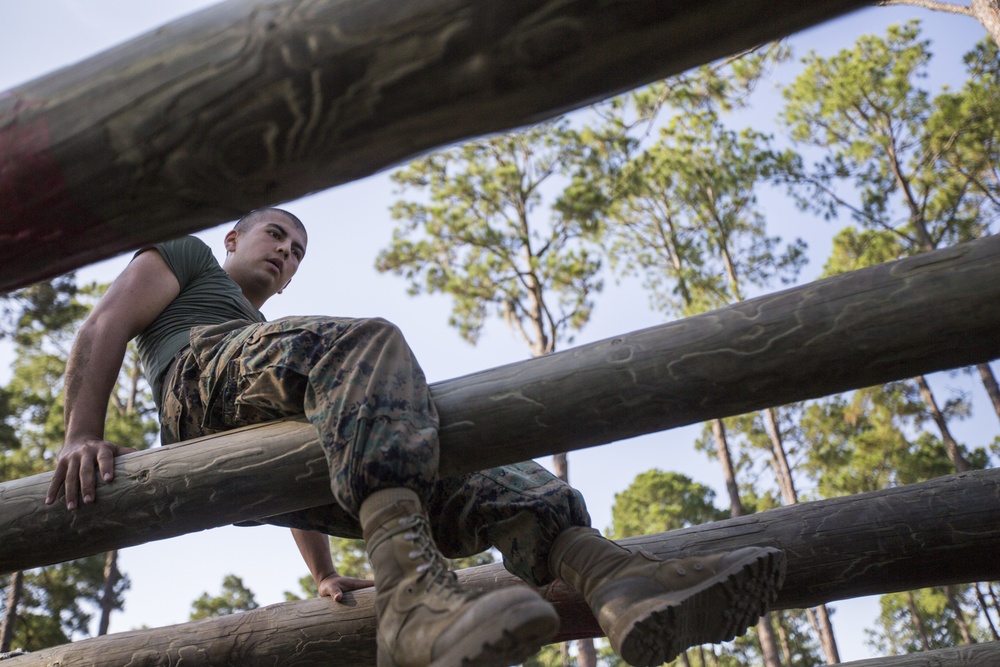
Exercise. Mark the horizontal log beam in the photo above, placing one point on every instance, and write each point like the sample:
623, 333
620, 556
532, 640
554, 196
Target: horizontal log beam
854, 330
975, 655
935, 533
256, 102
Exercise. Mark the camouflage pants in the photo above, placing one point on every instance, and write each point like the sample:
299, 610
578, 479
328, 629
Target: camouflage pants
360, 386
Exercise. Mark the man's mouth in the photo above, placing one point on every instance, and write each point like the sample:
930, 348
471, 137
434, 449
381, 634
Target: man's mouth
276, 263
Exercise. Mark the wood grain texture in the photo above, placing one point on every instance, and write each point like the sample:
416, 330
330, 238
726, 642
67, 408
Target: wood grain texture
254, 102
934, 533
917, 315
977, 655
926, 313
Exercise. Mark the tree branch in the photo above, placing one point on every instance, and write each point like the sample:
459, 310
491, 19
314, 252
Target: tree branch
933, 5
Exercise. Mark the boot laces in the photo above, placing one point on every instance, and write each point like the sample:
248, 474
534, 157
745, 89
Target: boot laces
433, 571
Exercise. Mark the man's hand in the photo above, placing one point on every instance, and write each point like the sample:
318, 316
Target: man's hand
75, 470
334, 586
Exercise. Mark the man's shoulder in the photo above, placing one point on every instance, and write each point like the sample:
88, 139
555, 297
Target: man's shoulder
185, 244
189, 258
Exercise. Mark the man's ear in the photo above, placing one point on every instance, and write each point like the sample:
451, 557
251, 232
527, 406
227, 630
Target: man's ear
282, 290
230, 241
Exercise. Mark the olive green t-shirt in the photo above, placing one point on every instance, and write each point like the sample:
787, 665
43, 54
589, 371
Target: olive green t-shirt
208, 296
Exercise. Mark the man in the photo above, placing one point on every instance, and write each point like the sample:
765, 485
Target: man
214, 364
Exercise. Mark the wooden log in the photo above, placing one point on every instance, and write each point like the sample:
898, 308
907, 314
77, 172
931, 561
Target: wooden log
918, 315
256, 102
975, 655
935, 533
853, 330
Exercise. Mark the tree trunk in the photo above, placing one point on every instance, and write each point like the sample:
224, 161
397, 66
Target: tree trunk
722, 451
829, 642
986, 611
990, 382
16, 588
786, 645
960, 620
951, 447
820, 618
987, 12
782, 470
586, 654
918, 622
768, 642
111, 577
560, 466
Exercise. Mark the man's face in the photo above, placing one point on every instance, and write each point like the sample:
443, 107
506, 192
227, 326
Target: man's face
265, 257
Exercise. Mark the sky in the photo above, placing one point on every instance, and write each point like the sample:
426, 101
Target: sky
348, 225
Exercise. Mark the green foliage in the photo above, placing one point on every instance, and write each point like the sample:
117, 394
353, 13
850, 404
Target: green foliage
55, 600
921, 167
924, 620
350, 558
688, 222
856, 249
477, 234
796, 641
307, 590
549, 656
872, 440
235, 597
484, 558
658, 501
723, 85
41, 322
37, 311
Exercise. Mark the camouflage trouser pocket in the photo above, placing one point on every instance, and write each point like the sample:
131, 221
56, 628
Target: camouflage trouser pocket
267, 377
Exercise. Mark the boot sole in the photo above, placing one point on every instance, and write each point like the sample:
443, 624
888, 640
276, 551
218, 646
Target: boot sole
510, 638
721, 608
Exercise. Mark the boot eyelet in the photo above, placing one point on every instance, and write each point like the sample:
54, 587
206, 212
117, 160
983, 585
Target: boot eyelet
698, 567
681, 571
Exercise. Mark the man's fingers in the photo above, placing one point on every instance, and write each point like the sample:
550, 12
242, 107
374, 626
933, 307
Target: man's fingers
87, 485
78, 468
72, 482
106, 462
58, 477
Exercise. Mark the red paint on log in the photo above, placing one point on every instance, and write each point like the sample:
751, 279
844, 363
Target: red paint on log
35, 204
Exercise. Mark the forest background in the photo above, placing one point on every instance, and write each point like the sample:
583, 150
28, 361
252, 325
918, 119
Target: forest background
351, 228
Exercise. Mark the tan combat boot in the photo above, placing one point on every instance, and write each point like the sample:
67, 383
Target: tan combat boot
652, 609
425, 618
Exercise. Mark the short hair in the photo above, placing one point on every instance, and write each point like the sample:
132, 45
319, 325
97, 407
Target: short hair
250, 220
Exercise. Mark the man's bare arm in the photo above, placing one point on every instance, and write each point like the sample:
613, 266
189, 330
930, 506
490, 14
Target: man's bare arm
315, 550
142, 291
